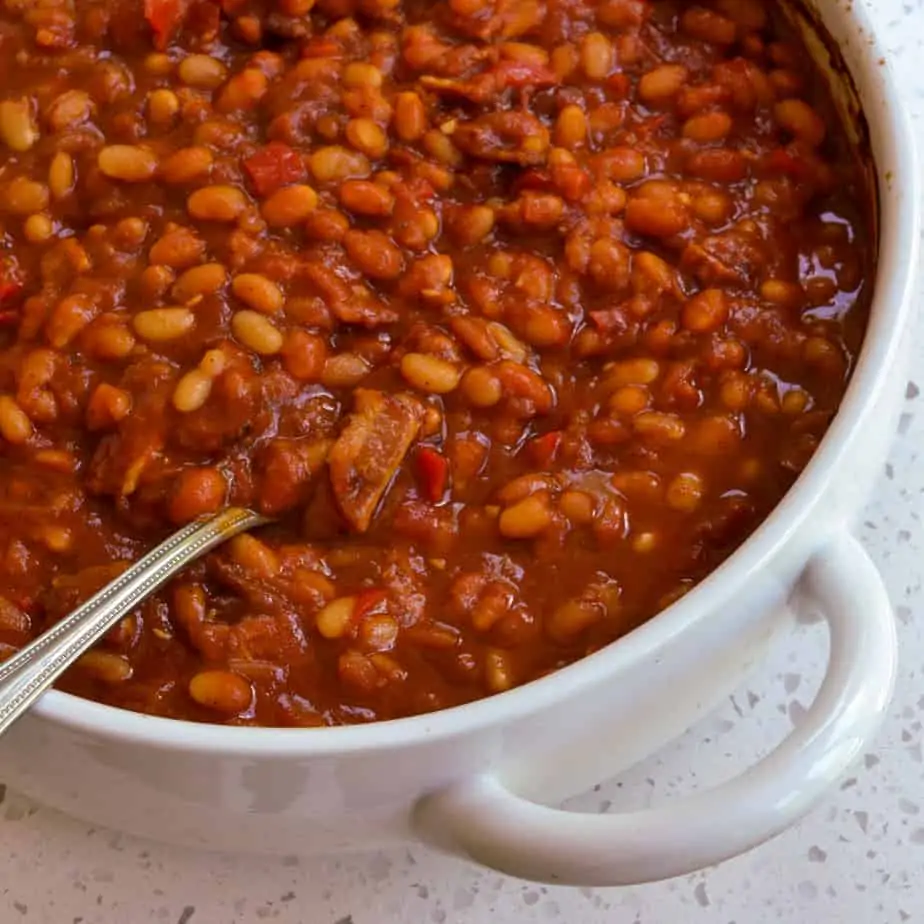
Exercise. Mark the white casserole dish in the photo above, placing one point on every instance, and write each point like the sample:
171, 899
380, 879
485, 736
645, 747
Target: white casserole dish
476, 779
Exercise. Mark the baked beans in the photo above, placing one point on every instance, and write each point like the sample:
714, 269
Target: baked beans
518, 317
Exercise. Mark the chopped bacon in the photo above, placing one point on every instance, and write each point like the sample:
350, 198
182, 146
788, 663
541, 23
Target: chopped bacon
286, 470
610, 320
369, 452
503, 76
499, 18
349, 304
273, 166
14, 620
730, 258
121, 459
514, 137
521, 74
68, 591
320, 46
258, 593
365, 310
277, 637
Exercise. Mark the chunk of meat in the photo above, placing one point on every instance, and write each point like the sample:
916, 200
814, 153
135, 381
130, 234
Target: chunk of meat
504, 137
369, 451
258, 594
348, 300
276, 638
488, 85
121, 459
68, 591
285, 472
423, 49
14, 622
235, 407
365, 310
732, 258
498, 19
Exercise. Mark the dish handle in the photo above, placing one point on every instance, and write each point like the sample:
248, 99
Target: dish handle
482, 819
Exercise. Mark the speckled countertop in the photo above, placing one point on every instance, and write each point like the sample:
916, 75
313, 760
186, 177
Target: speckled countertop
859, 859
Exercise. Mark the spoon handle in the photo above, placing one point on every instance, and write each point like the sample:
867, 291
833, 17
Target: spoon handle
25, 676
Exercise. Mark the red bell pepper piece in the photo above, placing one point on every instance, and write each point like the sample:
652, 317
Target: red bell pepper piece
367, 601
274, 166
319, 47
433, 472
543, 449
619, 86
533, 179
165, 17
784, 160
10, 287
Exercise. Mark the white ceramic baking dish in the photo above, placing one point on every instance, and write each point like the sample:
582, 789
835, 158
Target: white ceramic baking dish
476, 780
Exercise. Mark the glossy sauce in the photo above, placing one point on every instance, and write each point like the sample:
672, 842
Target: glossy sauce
520, 316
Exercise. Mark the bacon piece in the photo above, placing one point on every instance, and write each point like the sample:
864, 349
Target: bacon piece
68, 591
504, 137
490, 84
286, 471
370, 450
731, 258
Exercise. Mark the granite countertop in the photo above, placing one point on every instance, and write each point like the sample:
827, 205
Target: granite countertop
858, 859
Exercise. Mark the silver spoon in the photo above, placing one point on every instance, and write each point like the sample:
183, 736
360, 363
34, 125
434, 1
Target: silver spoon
25, 676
